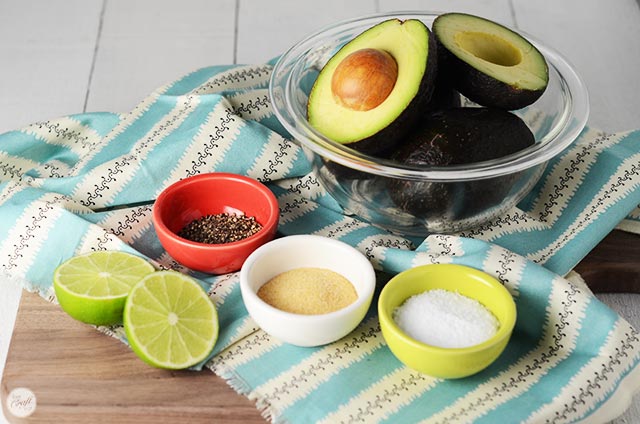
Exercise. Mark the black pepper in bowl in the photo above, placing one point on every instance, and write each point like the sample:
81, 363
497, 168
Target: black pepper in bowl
220, 228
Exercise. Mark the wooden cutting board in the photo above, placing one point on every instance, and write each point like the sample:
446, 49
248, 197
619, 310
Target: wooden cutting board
78, 375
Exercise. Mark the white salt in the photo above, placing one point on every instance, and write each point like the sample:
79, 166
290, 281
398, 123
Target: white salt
445, 319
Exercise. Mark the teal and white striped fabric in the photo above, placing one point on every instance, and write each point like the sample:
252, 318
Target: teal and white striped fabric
570, 358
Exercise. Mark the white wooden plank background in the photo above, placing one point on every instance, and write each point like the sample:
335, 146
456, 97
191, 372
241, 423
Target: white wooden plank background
60, 57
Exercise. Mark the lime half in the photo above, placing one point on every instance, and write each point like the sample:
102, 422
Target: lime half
93, 287
170, 321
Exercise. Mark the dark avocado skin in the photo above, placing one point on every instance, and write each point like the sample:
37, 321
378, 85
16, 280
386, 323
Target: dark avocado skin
454, 137
388, 137
444, 96
464, 135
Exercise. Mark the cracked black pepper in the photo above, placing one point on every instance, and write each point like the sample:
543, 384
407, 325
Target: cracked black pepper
220, 228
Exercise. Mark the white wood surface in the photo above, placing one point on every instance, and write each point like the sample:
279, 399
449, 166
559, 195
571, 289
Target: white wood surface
60, 57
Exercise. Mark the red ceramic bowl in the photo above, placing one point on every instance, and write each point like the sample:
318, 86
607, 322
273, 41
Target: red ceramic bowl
208, 194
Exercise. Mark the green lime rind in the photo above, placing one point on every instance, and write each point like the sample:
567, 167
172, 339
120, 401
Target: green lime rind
92, 288
170, 321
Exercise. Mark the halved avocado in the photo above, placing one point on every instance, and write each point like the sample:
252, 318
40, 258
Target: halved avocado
391, 68
489, 63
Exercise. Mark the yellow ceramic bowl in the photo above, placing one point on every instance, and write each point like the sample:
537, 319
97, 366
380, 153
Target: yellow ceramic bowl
438, 361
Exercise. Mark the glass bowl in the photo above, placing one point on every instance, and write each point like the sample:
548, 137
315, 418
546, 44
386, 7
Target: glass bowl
471, 194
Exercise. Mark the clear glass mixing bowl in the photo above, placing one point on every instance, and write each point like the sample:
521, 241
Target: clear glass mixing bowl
474, 194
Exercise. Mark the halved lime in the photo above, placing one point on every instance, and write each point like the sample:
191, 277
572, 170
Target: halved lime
170, 321
93, 287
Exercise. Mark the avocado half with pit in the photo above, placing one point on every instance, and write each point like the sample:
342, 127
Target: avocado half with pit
489, 63
372, 90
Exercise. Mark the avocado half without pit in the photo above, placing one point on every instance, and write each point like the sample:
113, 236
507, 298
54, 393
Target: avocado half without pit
372, 90
489, 63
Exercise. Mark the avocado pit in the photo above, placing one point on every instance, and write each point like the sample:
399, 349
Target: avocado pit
364, 79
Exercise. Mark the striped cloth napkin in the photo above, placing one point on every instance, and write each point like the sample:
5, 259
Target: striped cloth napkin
84, 182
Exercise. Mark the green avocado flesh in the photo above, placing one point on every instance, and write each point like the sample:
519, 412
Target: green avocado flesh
489, 63
410, 44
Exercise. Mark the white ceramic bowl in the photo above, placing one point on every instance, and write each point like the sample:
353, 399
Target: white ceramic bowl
287, 253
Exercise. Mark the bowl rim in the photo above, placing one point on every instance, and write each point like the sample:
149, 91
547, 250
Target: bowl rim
365, 297
267, 195
504, 331
574, 116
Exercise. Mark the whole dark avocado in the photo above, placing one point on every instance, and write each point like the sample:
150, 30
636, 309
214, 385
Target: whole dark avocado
458, 136
464, 135
372, 91
489, 63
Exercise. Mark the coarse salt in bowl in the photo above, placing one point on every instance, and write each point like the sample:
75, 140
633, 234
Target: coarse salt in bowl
434, 360
307, 251
445, 318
